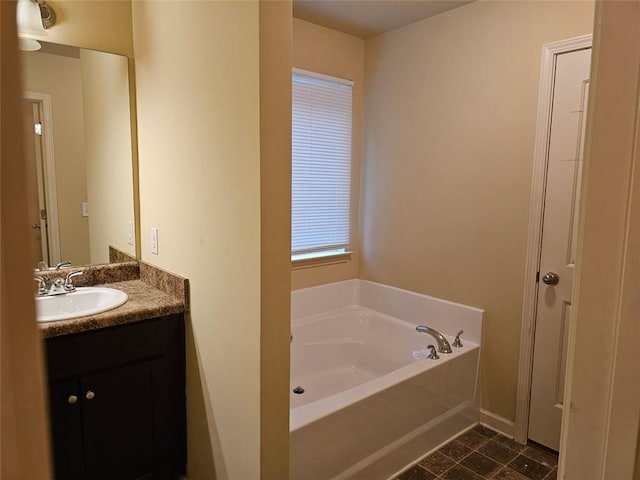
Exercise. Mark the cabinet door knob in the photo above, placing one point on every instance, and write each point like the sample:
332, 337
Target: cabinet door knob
72, 399
90, 395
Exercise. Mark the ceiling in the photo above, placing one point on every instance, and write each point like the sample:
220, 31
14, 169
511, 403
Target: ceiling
365, 18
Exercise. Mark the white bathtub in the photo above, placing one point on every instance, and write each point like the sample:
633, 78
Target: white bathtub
372, 402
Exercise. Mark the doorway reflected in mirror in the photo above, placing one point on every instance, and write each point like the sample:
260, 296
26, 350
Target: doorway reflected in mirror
78, 137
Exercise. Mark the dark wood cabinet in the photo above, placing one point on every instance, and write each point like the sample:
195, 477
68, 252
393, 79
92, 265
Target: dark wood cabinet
117, 400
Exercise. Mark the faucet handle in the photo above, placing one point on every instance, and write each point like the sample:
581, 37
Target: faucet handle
68, 281
456, 342
42, 286
433, 354
63, 264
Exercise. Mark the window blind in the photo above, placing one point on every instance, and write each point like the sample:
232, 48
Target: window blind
321, 163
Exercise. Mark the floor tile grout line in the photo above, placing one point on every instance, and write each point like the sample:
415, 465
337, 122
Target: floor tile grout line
461, 458
550, 467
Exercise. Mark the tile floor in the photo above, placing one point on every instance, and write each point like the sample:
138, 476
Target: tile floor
480, 454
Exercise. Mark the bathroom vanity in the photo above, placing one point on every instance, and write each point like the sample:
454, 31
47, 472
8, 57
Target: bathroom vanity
117, 387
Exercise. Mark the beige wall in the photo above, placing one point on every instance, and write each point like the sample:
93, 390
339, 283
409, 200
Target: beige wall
107, 131
450, 109
60, 77
327, 51
275, 236
199, 160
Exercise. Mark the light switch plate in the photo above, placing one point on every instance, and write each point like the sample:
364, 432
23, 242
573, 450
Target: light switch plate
85, 209
154, 240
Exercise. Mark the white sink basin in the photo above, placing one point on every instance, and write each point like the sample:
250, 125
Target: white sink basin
84, 301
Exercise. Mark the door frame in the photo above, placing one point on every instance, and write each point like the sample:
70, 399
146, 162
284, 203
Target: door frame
49, 167
536, 212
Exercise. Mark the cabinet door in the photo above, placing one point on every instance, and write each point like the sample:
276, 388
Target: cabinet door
66, 429
118, 421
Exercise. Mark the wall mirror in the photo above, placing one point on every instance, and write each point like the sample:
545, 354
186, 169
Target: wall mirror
78, 142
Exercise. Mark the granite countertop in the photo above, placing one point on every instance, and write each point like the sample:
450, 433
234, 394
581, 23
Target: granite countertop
152, 292
144, 302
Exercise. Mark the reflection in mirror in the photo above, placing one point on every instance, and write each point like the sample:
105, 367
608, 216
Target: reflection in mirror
78, 142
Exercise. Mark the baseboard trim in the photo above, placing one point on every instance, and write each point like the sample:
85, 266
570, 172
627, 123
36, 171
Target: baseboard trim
496, 422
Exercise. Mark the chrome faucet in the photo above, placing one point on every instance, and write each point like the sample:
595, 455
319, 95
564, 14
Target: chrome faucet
59, 286
443, 344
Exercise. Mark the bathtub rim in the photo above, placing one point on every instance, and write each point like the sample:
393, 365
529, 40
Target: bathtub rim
406, 305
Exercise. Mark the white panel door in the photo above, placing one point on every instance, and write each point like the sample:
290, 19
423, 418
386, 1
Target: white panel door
559, 241
35, 177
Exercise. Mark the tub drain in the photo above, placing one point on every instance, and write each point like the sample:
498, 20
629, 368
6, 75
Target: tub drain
298, 390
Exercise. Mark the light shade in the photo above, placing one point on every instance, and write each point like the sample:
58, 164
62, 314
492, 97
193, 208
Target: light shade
28, 18
34, 17
29, 44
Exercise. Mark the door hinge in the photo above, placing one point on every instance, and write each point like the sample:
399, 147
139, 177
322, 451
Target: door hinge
537, 277
37, 128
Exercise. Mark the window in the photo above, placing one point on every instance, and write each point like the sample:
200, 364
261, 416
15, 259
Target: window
321, 165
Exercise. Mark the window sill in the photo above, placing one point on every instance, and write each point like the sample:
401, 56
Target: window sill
321, 260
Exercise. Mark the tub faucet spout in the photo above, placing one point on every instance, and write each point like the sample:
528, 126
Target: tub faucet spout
443, 344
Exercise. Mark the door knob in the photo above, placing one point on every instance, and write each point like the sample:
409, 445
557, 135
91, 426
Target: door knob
72, 399
36, 226
551, 278
90, 395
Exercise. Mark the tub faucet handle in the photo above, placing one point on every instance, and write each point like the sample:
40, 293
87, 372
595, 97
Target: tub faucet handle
433, 354
456, 342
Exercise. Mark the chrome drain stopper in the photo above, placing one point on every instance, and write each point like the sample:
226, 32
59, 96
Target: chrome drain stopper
298, 390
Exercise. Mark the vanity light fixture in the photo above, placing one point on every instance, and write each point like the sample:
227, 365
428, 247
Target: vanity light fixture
47, 14
33, 17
